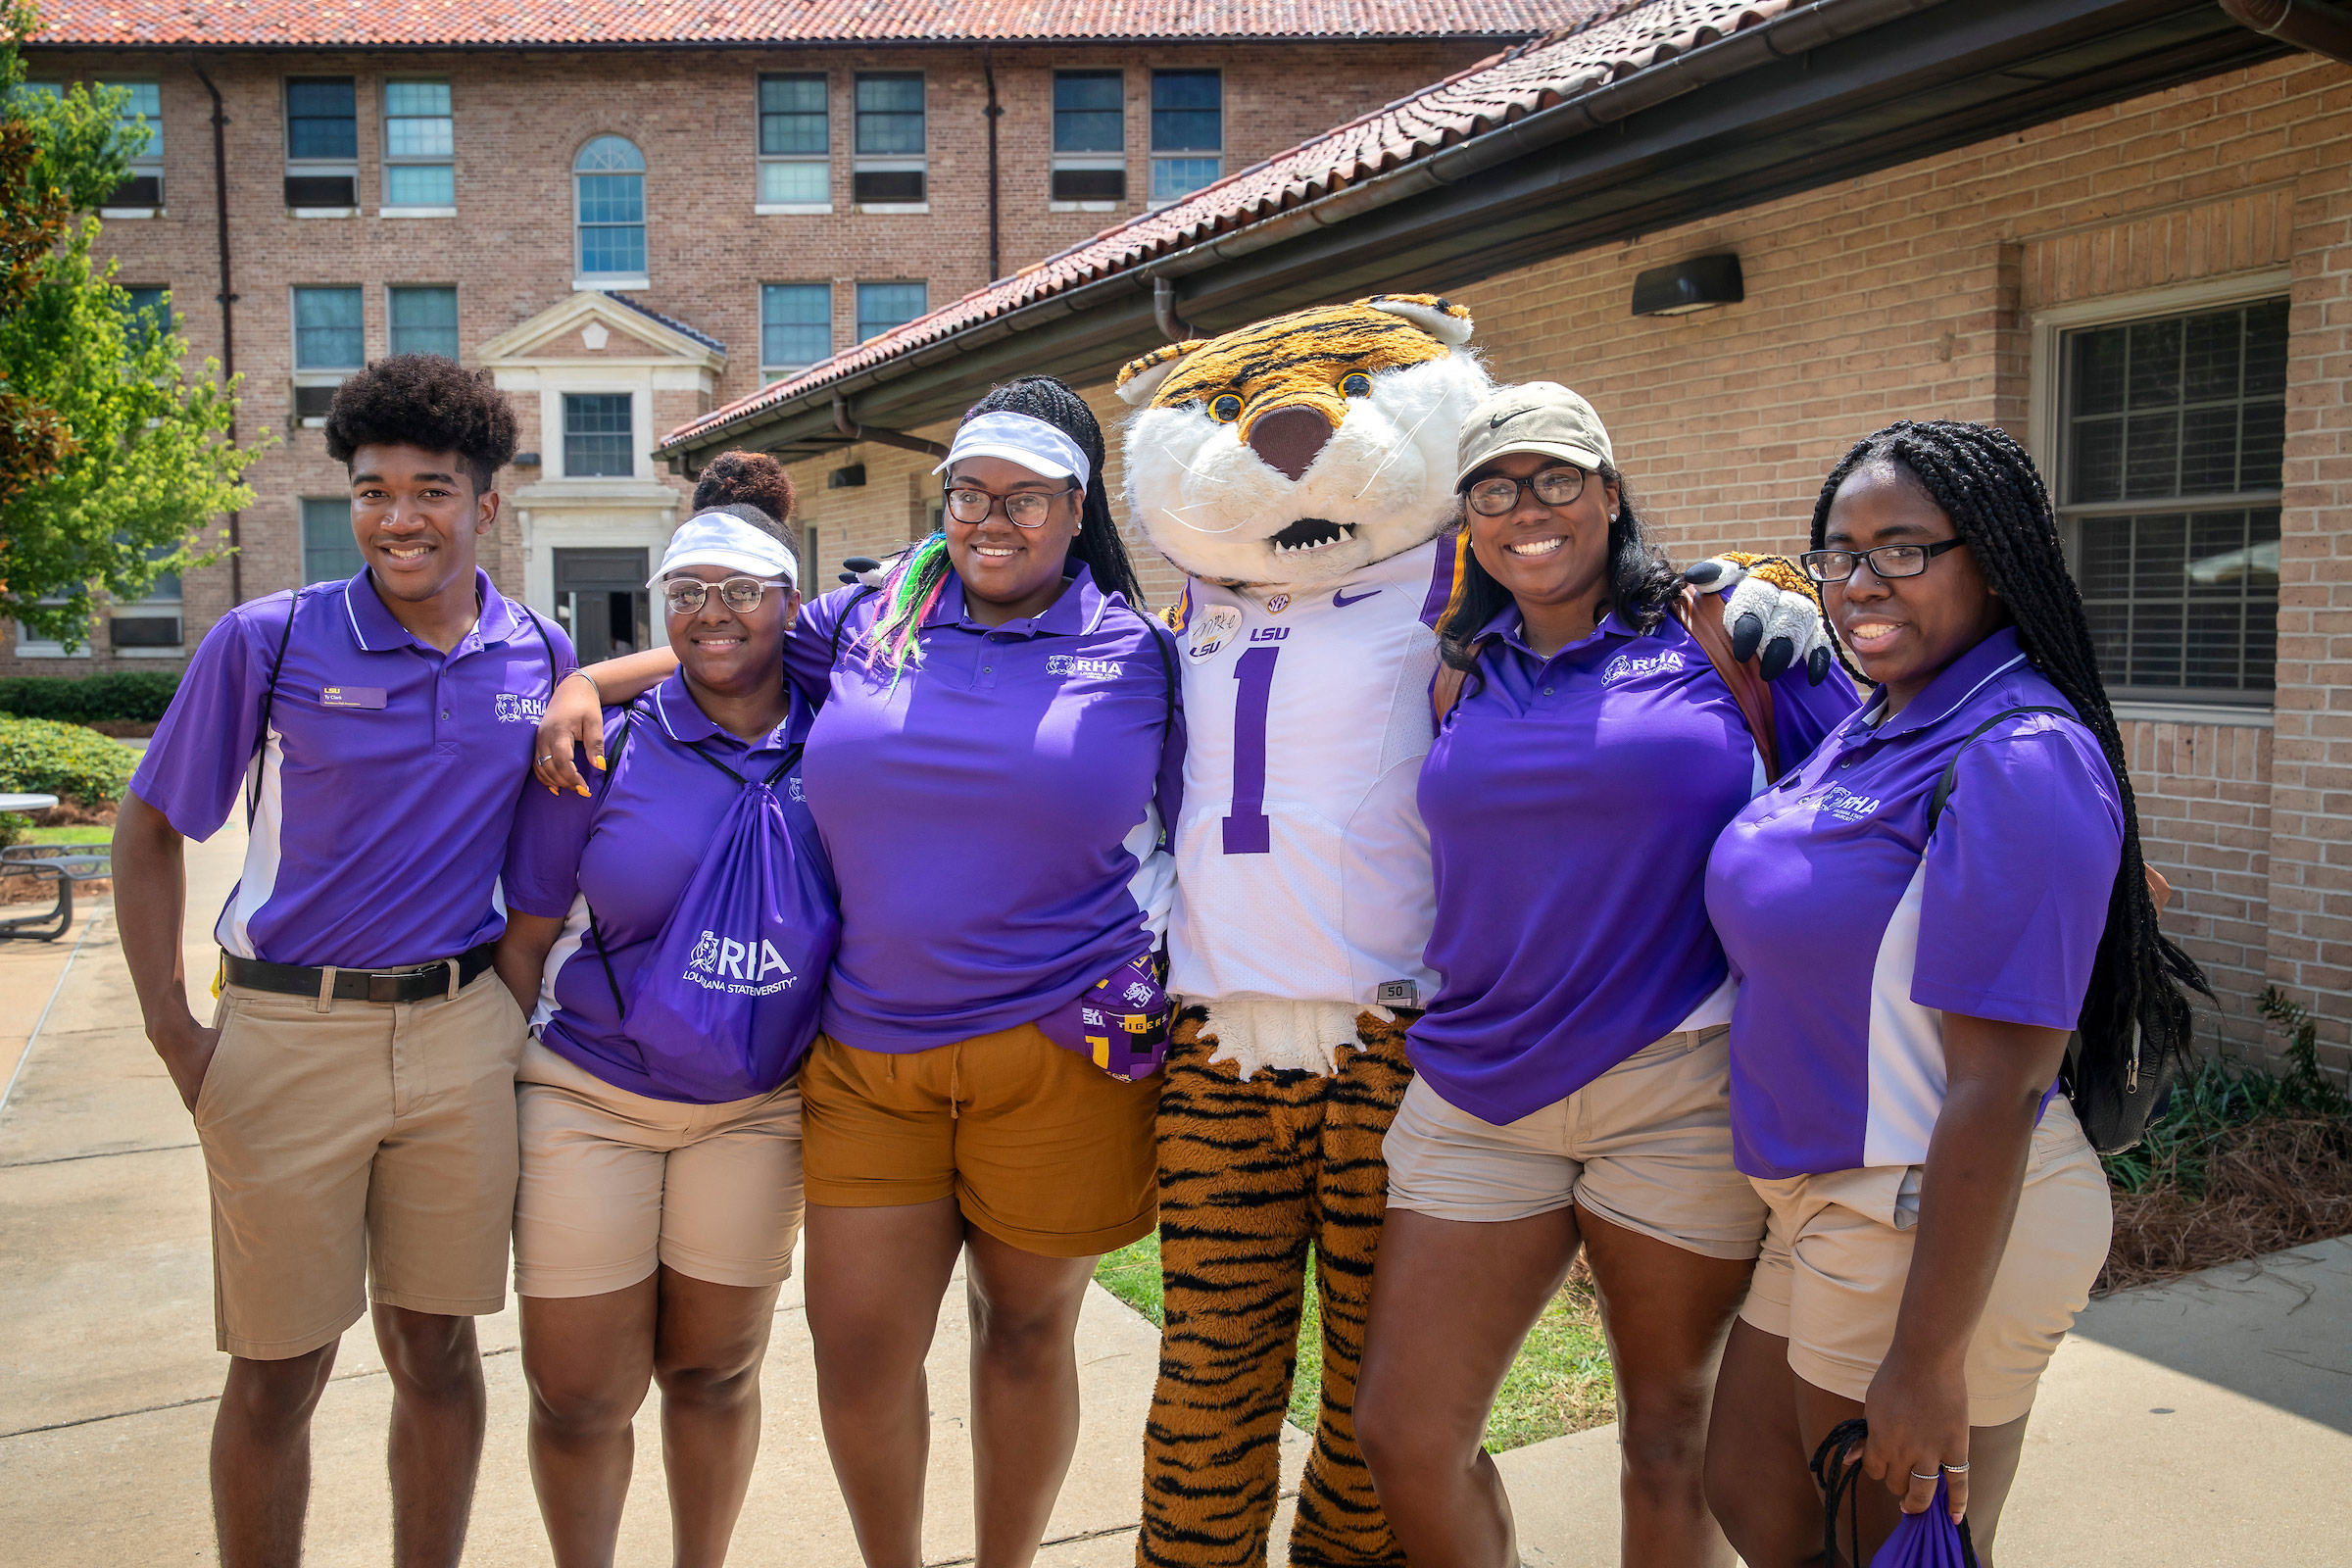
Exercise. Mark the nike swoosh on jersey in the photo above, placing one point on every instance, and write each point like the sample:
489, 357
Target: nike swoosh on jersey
1341, 601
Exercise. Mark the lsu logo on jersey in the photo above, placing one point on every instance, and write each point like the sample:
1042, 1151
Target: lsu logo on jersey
515, 709
1632, 667
1214, 628
737, 968
1089, 668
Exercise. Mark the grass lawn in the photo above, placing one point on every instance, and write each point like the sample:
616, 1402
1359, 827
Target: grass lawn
86, 834
1559, 1383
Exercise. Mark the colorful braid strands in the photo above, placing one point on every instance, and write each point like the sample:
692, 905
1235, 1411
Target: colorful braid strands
912, 589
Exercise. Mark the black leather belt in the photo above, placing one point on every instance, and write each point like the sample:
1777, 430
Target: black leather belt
421, 983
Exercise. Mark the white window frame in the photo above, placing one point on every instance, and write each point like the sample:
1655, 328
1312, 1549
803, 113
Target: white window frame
386, 208
824, 159
2047, 419
583, 279
321, 375
151, 603
890, 162
1058, 160
1154, 158
149, 164
637, 417
31, 647
776, 373
312, 167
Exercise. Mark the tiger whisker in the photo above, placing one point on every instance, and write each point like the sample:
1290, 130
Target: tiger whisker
1404, 441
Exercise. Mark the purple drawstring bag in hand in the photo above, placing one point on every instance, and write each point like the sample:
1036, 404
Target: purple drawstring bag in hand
725, 1005
1932, 1539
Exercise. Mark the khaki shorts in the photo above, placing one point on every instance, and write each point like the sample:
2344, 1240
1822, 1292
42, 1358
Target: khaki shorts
1648, 1145
615, 1183
1839, 1249
1038, 1147
363, 1148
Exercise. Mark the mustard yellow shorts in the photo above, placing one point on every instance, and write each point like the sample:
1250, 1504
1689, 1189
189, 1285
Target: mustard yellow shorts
1837, 1250
1038, 1147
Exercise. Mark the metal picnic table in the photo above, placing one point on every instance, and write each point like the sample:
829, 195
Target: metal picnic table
63, 864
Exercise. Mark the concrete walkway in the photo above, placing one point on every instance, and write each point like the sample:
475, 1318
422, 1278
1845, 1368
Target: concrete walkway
2206, 1422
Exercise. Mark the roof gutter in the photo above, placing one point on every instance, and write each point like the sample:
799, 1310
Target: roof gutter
2313, 24
1790, 33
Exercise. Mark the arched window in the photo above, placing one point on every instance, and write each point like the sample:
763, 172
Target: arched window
610, 174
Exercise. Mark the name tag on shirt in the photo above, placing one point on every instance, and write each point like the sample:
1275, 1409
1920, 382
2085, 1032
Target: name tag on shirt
351, 695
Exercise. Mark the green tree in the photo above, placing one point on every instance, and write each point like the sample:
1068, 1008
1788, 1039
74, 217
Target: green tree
113, 460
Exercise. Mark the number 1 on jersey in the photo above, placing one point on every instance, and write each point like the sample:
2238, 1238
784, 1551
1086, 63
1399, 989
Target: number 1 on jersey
1246, 830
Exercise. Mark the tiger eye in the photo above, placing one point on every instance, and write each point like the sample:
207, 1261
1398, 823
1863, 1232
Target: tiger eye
1356, 385
1225, 408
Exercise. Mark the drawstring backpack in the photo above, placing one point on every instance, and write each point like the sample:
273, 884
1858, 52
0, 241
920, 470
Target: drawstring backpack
1929, 1540
725, 1005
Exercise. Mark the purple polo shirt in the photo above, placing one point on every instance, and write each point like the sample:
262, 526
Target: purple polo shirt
388, 782
994, 817
1853, 931
627, 853
1570, 803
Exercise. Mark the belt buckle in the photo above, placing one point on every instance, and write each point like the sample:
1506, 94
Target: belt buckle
384, 988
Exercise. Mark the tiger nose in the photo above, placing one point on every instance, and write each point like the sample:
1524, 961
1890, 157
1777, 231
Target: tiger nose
1289, 438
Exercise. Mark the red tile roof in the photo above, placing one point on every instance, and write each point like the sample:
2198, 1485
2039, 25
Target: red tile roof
1491, 94
296, 24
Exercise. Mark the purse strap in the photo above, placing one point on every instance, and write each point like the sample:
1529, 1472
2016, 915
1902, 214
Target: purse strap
1838, 1469
1747, 684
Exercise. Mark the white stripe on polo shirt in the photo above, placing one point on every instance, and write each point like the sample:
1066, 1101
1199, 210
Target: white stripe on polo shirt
1907, 1072
262, 852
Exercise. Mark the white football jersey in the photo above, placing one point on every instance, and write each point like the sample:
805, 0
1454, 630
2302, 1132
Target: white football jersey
1302, 864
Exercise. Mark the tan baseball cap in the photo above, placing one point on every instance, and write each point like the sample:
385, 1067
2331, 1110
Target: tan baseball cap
1532, 417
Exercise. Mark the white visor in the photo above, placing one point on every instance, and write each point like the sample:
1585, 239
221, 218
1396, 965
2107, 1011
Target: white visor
722, 539
1024, 439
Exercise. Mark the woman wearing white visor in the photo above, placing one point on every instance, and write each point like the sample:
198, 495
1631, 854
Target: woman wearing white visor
667, 934
997, 748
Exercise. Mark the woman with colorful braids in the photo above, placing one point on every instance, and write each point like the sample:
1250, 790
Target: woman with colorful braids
996, 746
1922, 913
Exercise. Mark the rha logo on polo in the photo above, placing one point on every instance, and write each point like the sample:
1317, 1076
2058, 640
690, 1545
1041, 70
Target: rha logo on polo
737, 968
1092, 668
1847, 807
514, 709
1631, 667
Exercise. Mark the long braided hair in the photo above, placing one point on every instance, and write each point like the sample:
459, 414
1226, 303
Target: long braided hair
914, 585
1983, 481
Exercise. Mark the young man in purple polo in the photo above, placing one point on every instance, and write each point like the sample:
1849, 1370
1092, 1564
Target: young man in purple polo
355, 1092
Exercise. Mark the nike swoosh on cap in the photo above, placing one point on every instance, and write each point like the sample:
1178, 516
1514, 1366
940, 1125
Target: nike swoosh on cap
1341, 601
1501, 420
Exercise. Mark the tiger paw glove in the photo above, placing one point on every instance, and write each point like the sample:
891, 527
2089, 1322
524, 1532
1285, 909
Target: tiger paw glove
1770, 607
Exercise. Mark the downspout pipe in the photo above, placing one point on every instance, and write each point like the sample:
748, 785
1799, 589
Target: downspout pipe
886, 438
2316, 25
1175, 328
227, 299
993, 113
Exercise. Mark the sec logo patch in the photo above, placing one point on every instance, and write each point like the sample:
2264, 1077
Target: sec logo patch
1278, 603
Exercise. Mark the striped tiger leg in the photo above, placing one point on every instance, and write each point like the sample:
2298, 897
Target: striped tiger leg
1339, 1523
1236, 1168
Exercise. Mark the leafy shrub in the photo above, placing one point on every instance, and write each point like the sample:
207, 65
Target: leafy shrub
14, 827
137, 695
41, 758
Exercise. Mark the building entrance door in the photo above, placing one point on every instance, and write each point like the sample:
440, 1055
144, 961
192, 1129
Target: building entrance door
600, 601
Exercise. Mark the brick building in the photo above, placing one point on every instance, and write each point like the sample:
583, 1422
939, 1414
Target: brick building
2122, 231
634, 212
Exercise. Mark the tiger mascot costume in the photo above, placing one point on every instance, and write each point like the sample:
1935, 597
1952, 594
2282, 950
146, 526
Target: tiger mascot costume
1299, 471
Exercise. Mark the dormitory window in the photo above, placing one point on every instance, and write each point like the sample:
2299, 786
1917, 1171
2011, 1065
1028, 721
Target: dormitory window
795, 145
420, 146
890, 163
329, 343
146, 316
883, 305
796, 327
424, 320
2170, 484
610, 176
329, 554
598, 435
149, 626
322, 144
1090, 138
1188, 133
141, 127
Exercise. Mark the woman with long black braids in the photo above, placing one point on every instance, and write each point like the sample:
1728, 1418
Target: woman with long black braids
997, 746
1921, 914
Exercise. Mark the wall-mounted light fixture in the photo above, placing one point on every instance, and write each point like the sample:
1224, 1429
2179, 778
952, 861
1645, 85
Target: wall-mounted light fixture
848, 477
1697, 285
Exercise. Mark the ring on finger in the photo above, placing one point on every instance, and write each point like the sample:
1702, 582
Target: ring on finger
1915, 1475
1955, 1469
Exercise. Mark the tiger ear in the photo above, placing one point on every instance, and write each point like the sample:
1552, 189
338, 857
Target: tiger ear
1439, 318
1140, 379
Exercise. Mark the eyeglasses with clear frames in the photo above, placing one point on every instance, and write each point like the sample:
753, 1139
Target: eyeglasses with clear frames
686, 596
1498, 496
1886, 561
1023, 509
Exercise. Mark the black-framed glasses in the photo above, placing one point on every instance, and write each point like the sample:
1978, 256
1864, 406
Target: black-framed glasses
686, 596
1886, 562
1498, 496
1023, 509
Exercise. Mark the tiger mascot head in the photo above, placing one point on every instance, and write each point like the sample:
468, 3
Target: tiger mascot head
1306, 447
